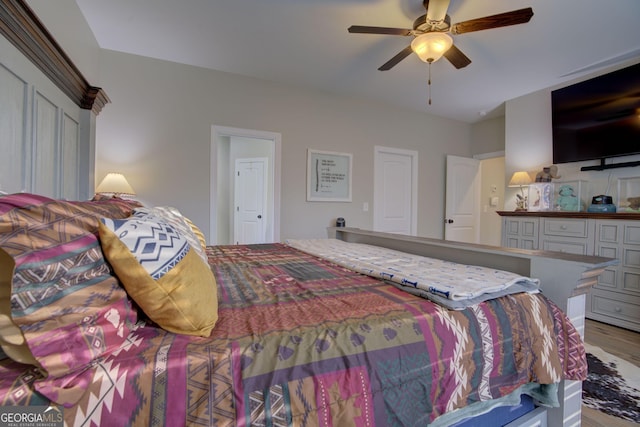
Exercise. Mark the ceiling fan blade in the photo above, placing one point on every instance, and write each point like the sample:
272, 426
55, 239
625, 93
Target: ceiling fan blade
436, 9
515, 17
394, 61
379, 30
456, 57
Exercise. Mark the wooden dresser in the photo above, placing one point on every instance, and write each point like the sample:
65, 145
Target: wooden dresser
616, 297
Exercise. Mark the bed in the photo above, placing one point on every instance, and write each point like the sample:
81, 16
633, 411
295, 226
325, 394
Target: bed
269, 334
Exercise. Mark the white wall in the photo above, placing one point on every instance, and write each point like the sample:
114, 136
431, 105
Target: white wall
492, 179
157, 132
65, 22
487, 144
156, 128
487, 136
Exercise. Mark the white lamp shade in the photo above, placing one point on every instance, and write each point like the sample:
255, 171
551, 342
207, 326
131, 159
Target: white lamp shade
520, 178
115, 183
431, 46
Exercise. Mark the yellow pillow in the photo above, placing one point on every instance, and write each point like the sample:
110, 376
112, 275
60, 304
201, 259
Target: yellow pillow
11, 339
199, 234
162, 274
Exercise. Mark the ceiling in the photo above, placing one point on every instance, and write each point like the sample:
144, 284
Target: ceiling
305, 43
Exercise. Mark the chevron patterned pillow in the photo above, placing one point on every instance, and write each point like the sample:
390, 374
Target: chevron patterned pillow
182, 224
162, 273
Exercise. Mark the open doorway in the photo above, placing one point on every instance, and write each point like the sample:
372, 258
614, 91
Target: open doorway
227, 146
481, 191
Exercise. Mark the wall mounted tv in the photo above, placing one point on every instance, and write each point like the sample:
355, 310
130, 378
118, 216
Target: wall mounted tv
598, 119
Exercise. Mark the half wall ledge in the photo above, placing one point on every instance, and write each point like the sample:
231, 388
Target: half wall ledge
562, 275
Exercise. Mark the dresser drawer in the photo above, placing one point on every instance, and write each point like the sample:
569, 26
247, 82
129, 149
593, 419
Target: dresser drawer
617, 305
566, 245
565, 227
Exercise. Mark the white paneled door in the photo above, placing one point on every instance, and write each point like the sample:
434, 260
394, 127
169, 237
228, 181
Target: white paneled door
462, 216
250, 201
395, 190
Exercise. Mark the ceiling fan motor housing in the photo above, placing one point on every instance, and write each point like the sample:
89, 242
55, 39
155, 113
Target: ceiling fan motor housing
421, 25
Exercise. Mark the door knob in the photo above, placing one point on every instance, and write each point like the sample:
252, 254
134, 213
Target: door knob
448, 221
259, 216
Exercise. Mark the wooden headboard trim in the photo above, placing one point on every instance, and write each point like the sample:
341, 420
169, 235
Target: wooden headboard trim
20, 25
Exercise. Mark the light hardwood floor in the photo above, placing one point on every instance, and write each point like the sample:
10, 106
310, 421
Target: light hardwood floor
619, 342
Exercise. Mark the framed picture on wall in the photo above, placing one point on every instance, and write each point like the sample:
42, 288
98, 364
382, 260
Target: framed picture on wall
540, 196
328, 176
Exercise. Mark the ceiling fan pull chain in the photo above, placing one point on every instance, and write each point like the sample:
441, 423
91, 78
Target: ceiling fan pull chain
429, 83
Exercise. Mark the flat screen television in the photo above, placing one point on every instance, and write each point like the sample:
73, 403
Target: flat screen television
597, 118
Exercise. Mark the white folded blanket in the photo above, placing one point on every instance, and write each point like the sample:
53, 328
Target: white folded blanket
449, 280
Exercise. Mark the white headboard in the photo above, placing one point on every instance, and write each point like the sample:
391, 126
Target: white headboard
47, 111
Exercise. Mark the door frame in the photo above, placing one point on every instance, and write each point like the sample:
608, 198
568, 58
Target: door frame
377, 198
275, 141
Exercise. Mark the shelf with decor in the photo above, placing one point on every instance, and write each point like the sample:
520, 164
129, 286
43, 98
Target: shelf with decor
558, 214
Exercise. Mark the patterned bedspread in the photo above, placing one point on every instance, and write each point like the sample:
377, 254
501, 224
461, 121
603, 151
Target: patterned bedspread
301, 341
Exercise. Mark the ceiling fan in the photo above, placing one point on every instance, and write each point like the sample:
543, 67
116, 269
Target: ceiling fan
431, 40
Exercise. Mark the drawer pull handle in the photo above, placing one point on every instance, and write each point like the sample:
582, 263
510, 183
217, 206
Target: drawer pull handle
618, 310
563, 227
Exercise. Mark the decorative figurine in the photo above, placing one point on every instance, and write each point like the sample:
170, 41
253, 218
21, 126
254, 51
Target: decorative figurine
521, 203
567, 199
547, 174
634, 202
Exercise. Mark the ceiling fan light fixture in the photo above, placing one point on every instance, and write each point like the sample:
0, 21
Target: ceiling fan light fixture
431, 46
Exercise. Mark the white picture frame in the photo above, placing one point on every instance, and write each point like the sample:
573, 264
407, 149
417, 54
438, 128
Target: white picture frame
540, 196
328, 176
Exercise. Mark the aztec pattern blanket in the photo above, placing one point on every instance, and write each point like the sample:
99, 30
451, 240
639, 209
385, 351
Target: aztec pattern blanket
302, 341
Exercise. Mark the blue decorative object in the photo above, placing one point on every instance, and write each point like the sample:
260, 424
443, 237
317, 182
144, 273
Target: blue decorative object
601, 204
602, 208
